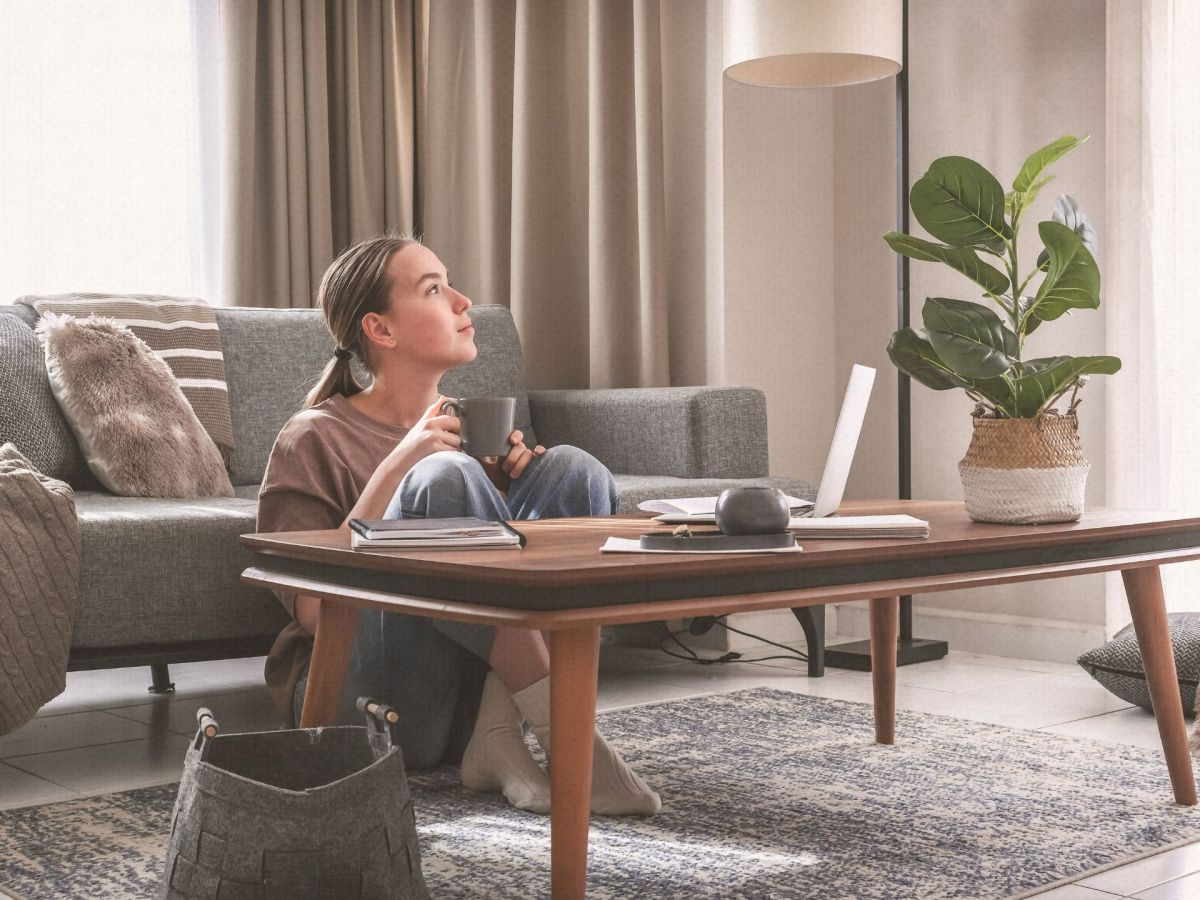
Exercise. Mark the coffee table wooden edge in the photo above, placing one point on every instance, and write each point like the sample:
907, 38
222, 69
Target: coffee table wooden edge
662, 610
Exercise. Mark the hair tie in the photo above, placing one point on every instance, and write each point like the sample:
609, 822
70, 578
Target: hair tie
342, 353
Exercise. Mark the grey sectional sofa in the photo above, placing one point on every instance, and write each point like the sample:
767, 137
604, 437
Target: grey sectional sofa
159, 578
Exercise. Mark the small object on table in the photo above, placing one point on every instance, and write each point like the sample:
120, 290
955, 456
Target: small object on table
754, 509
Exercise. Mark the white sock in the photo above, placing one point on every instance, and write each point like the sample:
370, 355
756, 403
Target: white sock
497, 759
616, 789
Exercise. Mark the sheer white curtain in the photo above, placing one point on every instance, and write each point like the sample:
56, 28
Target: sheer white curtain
1150, 292
97, 148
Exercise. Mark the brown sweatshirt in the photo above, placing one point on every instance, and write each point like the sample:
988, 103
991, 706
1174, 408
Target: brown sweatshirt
321, 461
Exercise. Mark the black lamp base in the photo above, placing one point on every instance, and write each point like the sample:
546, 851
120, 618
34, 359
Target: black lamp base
857, 654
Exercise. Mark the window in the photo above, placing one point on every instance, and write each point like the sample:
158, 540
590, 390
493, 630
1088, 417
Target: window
98, 156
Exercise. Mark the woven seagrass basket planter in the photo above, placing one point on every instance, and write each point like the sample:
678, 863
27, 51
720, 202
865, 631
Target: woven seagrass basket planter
1024, 471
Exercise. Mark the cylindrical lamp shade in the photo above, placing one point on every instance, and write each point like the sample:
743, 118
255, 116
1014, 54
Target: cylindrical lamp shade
812, 43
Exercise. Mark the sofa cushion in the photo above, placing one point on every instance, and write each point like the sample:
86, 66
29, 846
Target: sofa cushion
274, 357
137, 430
168, 570
29, 415
156, 571
635, 489
26, 314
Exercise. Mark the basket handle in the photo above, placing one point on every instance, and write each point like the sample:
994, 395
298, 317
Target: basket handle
379, 717
206, 726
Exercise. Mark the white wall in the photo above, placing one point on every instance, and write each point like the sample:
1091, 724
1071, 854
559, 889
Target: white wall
780, 314
810, 285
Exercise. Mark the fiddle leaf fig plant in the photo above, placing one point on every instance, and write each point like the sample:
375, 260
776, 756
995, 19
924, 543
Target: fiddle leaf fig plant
969, 345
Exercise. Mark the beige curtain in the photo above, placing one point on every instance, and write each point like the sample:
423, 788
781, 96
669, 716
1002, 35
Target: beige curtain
321, 116
1153, 188
574, 174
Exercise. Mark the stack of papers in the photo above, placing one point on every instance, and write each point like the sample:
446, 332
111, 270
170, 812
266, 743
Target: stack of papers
698, 510
854, 527
446, 534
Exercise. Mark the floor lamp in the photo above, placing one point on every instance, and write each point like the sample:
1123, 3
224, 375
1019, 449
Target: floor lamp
831, 43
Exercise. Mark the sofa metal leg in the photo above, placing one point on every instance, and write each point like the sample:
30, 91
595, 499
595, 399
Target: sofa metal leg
812, 620
160, 676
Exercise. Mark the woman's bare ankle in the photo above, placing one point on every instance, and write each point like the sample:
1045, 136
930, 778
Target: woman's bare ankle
519, 657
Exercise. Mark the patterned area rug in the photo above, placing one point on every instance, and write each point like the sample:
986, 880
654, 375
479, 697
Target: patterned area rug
765, 793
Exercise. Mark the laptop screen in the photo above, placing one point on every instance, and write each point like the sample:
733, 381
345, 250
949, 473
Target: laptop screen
845, 440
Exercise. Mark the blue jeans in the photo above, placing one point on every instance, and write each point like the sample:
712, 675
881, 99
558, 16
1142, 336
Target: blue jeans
432, 671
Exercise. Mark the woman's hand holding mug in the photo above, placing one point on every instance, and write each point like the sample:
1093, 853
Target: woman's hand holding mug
503, 471
432, 432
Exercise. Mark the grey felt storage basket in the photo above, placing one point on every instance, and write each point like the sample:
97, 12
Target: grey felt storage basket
305, 813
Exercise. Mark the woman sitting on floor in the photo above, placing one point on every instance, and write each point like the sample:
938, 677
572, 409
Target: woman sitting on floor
385, 451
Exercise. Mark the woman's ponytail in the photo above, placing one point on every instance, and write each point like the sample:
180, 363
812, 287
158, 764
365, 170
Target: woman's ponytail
336, 378
355, 284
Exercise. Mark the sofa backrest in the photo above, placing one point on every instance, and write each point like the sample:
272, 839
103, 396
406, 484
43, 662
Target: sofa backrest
273, 358
30, 417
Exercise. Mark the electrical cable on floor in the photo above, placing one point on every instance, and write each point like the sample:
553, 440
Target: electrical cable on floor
731, 656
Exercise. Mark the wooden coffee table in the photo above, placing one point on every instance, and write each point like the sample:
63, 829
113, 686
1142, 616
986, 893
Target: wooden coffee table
562, 585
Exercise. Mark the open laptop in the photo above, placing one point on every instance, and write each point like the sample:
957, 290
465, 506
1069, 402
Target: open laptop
833, 479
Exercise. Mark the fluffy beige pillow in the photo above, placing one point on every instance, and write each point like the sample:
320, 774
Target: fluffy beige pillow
138, 433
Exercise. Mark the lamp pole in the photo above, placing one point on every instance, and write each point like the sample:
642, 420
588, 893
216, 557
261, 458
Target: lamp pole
857, 654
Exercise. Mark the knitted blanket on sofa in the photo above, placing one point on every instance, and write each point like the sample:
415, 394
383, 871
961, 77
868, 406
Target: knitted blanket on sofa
39, 579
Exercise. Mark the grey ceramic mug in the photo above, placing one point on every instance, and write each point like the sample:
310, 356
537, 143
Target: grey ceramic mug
487, 423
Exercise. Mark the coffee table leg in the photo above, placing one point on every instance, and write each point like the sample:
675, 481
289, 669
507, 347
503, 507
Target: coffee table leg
885, 628
327, 669
1143, 589
574, 658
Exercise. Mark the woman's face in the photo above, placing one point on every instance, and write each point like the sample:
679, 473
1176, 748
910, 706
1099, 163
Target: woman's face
427, 317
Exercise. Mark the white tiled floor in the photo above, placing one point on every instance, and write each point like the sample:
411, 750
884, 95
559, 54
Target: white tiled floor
106, 733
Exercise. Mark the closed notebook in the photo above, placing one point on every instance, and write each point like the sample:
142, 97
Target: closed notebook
451, 534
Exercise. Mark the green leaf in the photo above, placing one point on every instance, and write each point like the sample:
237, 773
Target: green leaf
1073, 279
1027, 197
1039, 159
961, 203
1036, 382
1032, 322
1016, 202
916, 358
997, 391
961, 259
969, 337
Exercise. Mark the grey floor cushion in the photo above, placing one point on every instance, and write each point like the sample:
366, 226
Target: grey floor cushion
1118, 664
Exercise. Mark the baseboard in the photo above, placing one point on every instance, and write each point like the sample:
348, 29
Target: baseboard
996, 634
